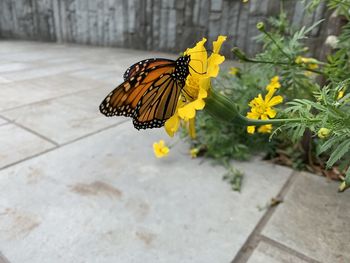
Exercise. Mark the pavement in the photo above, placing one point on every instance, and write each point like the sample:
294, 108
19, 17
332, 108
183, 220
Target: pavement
76, 186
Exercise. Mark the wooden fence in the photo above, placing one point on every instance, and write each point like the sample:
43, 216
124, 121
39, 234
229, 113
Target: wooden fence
166, 25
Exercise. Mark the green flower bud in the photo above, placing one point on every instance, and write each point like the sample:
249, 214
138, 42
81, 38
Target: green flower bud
260, 26
239, 54
323, 133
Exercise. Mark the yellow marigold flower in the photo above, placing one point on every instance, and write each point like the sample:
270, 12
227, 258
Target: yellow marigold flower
261, 108
233, 71
194, 152
160, 149
202, 68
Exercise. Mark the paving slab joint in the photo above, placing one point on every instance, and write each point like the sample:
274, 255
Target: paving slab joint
287, 249
253, 240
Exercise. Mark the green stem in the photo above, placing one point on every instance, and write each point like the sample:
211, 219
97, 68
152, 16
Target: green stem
220, 107
278, 46
285, 63
264, 122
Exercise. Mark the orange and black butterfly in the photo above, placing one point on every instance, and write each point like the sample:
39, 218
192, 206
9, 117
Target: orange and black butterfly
149, 93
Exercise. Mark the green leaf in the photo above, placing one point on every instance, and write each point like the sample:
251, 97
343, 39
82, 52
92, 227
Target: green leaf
347, 176
338, 153
328, 144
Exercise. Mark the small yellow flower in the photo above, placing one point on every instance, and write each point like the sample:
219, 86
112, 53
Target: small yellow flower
265, 128
309, 63
233, 71
261, 108
340, 94
323, 133
194, 152
160, 149
304, 60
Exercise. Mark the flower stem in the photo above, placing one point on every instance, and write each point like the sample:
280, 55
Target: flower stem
277, 45
220, 107
285, 63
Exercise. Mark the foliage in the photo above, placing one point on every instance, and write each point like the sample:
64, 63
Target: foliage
317, 109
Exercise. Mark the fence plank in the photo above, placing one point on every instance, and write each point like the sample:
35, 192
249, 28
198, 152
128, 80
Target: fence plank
166, 25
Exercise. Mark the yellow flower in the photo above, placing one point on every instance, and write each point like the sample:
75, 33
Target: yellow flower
194, 152
265, 128
304, 60
340, 94
233, 71
261, 108
323, 133
274, 84
310, 63
160, 149
202, 68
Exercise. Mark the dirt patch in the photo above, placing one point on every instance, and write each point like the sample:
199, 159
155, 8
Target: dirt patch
16, 224
146, 237
96, 188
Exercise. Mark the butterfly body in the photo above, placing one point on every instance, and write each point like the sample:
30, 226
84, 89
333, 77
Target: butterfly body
149, 93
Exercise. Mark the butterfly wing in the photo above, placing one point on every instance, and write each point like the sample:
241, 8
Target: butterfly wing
143, 65
158, 103
149, 93
123, 100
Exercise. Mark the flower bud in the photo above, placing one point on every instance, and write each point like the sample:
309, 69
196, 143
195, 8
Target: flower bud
323, 133
260, 26
239, 54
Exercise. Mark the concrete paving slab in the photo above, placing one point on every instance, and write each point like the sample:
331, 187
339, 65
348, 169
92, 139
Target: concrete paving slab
2, 121
266, 253
106, 198
66, 118
42, 71
9, 67
314, 220
20, 93
108, 76
17, 144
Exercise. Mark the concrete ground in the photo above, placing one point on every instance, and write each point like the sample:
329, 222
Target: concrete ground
78, 187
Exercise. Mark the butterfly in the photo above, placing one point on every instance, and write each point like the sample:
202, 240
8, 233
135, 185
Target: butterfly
149, 93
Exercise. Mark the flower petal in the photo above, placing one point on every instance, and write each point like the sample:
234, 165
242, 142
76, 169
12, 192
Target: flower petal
198, 62
275, 100
251, 129
253, 115
213, 64
202, 93
204, 83
218, 43
172, 125
265, 128
271, 113
187, 112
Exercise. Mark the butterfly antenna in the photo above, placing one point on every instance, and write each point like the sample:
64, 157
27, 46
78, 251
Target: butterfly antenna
200, 73
184, 90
